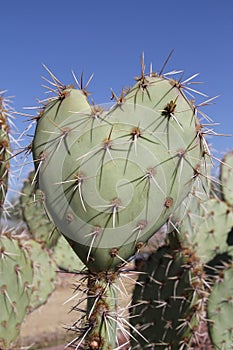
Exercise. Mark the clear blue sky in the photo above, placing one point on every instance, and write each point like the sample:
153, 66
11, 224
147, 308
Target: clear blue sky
108, 37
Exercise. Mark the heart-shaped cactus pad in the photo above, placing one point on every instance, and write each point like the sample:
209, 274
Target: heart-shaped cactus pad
113, 174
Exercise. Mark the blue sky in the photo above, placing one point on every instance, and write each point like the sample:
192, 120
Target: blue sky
107, 38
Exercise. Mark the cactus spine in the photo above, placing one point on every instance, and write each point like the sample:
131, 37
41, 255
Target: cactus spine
5, 114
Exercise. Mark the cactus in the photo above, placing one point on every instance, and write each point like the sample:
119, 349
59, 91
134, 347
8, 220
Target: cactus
31, 202
212, 237
107, 196
5, 153
65, 257
168, 300
220, 310
15, 291
226, 177
44, 273
111, 178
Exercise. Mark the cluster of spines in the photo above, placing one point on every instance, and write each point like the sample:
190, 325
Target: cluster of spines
5, 149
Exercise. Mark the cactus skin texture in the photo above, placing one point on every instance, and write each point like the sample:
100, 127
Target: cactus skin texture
15, 291
65, 257
226, 178
212, 237
168, 301
102, 192
220, 310
44, 273
31, 202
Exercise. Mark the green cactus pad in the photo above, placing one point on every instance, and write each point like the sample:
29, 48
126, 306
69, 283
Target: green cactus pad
213, 233
16, 276
40, 226
220, 311
226, 177
65, 257
111, 179
192, 211
44, 273
167, 301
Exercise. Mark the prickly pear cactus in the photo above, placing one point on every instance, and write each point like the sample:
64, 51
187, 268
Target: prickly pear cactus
101, 190
15, 289
168, 301
65, 257
226, 177
220, 310
44, 273
5, 153
212, 236
40, 226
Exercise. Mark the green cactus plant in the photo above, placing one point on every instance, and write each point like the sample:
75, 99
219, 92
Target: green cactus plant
105, 182
220, 310
226, 177
111, 178
15, 289
202, 224
212, 237
44, 273
31, 203
168, 300
65, 257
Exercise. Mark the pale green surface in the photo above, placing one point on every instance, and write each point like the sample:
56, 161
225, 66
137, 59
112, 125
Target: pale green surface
15, 300
118, 171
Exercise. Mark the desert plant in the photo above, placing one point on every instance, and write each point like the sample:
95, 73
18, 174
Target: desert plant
202, 225
112, 177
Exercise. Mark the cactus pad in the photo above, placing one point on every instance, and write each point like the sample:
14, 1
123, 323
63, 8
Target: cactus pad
65, 257
15, 289
220, 311
226, 177
167, 301
44, 273
112, 178
40, 226
213, 233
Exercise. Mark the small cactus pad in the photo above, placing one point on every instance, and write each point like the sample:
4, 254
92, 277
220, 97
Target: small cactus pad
167, 302
65, 257
212, 236
40, 226
16, 276
220, 311
226, 177
44, 273
112, 178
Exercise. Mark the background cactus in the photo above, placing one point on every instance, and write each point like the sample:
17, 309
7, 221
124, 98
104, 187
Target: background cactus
44, 273
65, 257
203, 227
220, 310
168, 300
39, 225
226, 177
15, 287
